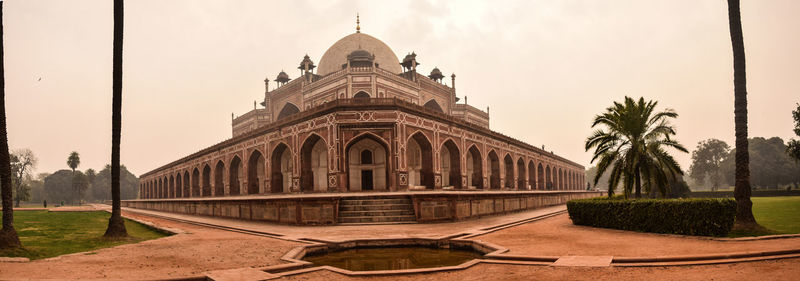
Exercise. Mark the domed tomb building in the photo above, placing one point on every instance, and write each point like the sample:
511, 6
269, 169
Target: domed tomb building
361, 120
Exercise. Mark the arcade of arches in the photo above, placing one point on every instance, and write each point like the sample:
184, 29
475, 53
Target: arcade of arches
362, 159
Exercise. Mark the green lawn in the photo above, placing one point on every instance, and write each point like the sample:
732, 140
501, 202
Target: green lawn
778, 215
781, 214
49, 234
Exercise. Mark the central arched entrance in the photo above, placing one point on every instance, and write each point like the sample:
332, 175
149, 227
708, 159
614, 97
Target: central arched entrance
450, 165
235, 176
367, 165
281, 170
419, 156
314, 164
474, 168
255, 172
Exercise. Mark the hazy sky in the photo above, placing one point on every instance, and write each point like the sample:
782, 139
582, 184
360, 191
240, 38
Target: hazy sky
544, 67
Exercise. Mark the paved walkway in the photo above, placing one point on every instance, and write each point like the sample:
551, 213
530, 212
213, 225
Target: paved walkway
338, 233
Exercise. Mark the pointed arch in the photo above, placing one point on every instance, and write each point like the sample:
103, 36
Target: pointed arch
287, 110
186, 184
508, 168
419, 156
450, 159
281, 168
433, 105
474, 167
540, 179
367, 176
314, 164
171, 193
361, 95
531, 175
160, 188
255, 172
179, 185
494, 170
548, 178
219, 183
206, 180
571, 180
196, 182
235, 176
521, 174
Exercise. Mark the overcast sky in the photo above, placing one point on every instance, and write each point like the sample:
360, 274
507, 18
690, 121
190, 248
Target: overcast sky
544, 67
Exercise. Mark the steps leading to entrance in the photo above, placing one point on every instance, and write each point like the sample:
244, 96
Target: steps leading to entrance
376, 210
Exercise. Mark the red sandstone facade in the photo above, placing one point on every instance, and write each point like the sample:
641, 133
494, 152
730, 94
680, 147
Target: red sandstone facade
361, 123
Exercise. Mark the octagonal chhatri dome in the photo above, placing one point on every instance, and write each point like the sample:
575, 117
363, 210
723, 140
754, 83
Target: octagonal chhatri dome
336, 55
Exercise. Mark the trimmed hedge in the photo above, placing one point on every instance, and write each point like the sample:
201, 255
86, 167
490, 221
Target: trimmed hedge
702, 217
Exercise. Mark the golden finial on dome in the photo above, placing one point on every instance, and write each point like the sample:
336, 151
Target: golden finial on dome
358, 24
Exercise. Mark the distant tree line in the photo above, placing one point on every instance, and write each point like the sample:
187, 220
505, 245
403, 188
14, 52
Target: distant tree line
713, 164
73, 187
68, 186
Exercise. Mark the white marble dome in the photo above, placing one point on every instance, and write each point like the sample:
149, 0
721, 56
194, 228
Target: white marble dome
336, 55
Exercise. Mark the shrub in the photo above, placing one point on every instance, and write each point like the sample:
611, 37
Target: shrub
702, 217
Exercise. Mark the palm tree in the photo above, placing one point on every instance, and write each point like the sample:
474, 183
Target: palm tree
8, 236
116, 226
744, 210
73, 161
633, 146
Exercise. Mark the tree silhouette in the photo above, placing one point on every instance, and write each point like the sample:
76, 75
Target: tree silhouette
632, 146
116, 226
74, 160
742, 191
707, 161
8, 235
793, 148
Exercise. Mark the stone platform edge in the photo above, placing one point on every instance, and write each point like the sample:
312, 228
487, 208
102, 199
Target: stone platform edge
322, 209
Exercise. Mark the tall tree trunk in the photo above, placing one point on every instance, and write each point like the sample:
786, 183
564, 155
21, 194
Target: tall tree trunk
638, 179
116, 226
742, 191
8, 236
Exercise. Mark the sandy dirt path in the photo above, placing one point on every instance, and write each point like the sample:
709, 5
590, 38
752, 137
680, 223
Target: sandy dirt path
557, 236
199, 250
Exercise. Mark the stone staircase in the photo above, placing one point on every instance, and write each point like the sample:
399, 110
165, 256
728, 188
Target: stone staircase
376, 210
